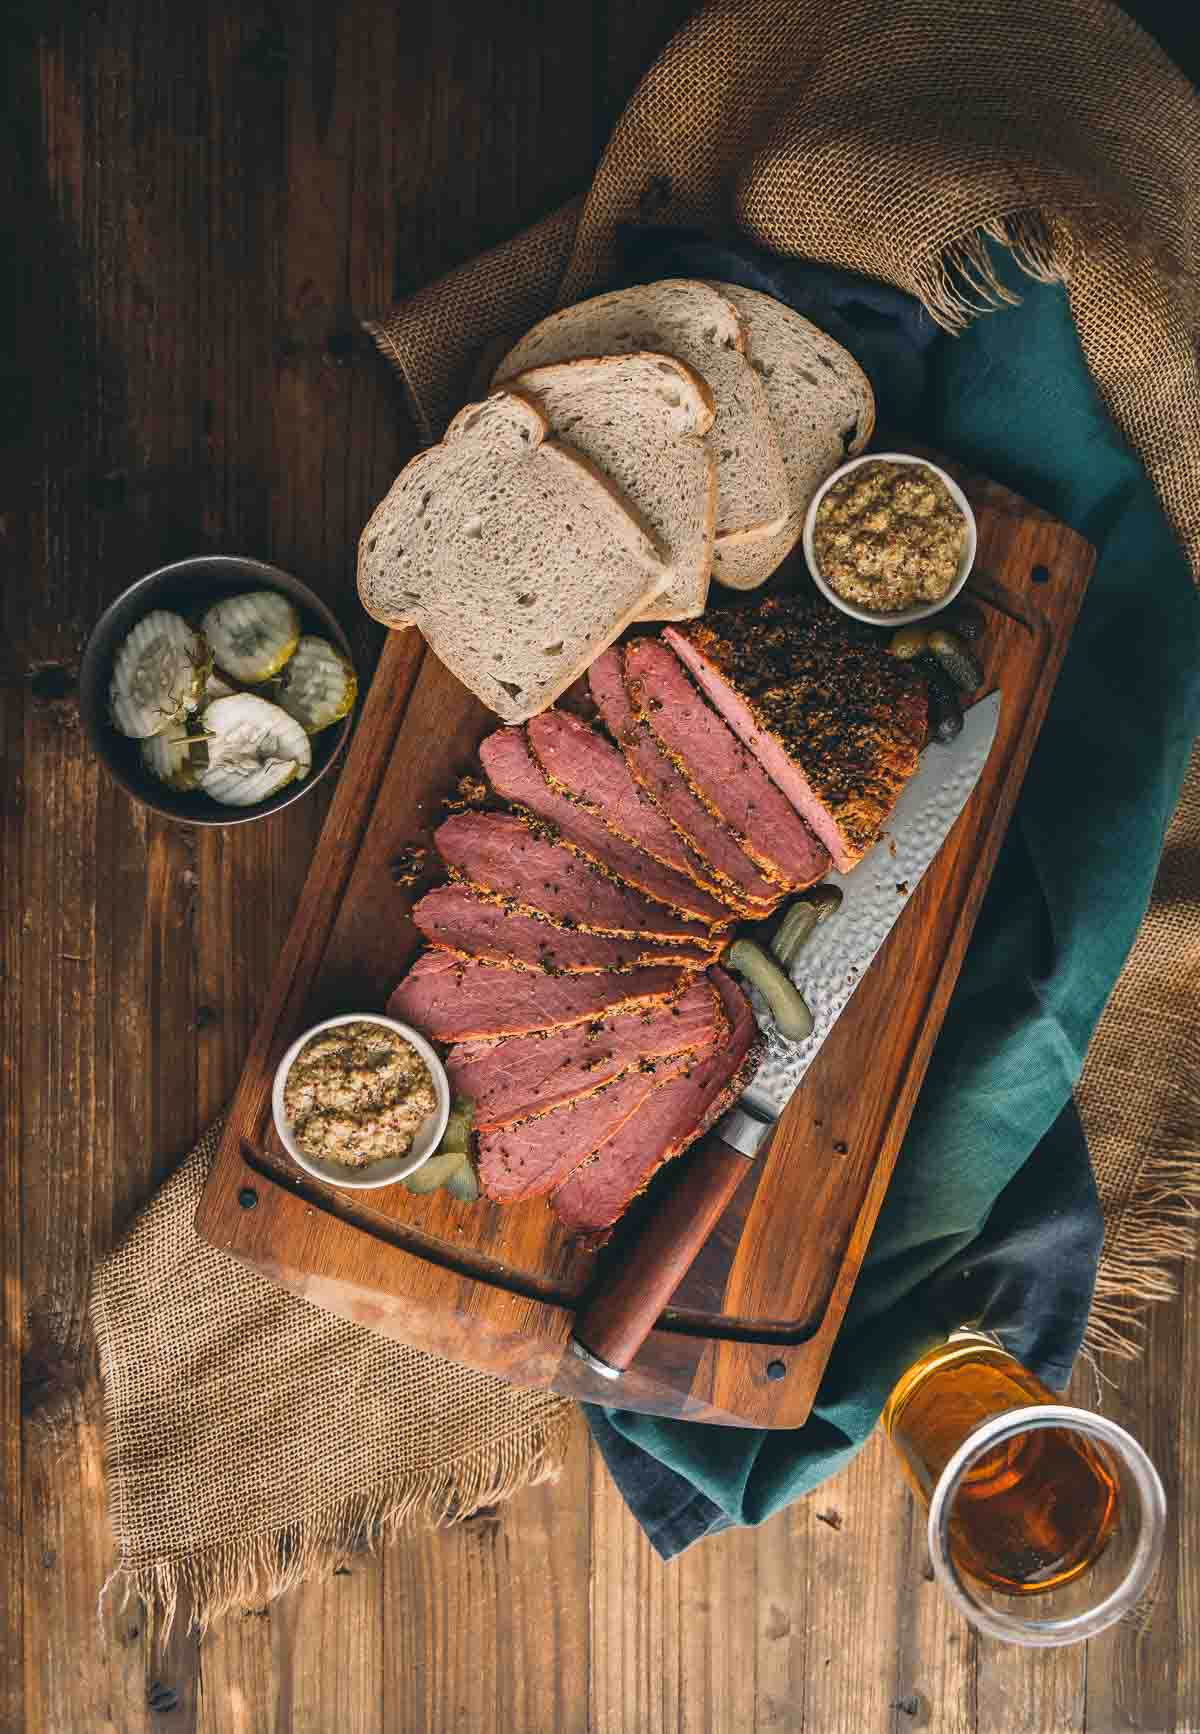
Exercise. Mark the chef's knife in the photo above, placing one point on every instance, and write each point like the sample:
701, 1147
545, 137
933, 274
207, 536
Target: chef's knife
618, 1317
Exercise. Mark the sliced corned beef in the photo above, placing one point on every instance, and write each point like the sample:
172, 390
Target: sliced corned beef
722, 772
532, 1158
594, 773
455, 1000
516, 774
832, 717
457, 919
502, 854
709, 836
597, 1192
528, 1075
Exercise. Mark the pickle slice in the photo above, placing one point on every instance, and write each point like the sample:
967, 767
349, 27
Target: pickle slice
254, 750
176, 757
459, 1125
436, 1172
463, 1184
158, 675
253, 635
318, 686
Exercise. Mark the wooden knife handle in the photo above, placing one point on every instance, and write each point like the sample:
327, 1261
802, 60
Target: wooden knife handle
618, 1318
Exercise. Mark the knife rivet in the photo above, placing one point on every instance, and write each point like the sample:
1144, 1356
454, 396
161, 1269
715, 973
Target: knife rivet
775, 1370
247, 1198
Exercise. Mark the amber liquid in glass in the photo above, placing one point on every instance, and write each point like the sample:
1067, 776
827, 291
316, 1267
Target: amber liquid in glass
1033, 1513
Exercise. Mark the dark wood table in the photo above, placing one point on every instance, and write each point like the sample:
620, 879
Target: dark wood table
206, 197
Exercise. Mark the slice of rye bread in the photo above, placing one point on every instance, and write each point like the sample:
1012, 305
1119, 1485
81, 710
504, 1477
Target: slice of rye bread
524, 1076
833, 718
641, 420
516, 558
525, 865
582, 762
722, 772
516, 774
741, 880
533, 1157
453, 1000
683, 317
822, 409
601, 1189
476, 924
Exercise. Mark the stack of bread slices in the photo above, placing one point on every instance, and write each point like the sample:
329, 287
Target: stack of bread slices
633, 448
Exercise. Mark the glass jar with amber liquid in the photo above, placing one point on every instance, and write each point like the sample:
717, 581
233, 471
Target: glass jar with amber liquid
1028, 1499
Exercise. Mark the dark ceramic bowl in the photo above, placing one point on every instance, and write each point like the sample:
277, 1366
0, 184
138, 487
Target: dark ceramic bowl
185, 586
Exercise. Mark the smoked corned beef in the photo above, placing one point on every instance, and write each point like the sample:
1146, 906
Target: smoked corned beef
457, 919
455, 1000
527, 1075
602, 1188
516, 774
832, 717
504, 855
707, 835
722, 772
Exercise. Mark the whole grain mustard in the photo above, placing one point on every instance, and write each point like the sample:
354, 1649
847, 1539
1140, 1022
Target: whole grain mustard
358, 1093
889, 536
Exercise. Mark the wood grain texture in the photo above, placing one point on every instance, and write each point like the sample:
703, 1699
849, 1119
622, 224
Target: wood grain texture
204, 198
496, 1286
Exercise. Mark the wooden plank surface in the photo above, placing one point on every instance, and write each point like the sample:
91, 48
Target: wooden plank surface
205, 196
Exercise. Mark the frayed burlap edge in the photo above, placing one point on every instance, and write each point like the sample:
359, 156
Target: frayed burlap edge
255, 1570
1158, 1230
959, 281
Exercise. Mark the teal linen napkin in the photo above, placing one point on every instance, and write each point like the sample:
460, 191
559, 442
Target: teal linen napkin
1012, 398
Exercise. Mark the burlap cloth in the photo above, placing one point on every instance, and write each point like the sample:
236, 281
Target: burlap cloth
892, 137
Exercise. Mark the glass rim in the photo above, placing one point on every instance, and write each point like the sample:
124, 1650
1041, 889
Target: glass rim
1012, 1628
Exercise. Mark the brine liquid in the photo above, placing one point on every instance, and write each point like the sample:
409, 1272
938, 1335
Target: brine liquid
1034, 1512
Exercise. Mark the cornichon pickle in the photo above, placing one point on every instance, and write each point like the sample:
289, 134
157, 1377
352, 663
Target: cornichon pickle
967, 620
436, 1172
945, 711
786, 1003
953, 655
463, 1184
909, 641
801, 918
825, 899
794, 931
459, 1126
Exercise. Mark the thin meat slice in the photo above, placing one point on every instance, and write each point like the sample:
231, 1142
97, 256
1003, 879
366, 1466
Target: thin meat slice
597, 1192
471, 924
532, 1158
711, 839
529, 1075
594, 773
721, 771
516, 774
834, 719
454, 1000
503, 855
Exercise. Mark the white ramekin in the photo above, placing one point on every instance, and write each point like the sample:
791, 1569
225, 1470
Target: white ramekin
899, 616
385, 1172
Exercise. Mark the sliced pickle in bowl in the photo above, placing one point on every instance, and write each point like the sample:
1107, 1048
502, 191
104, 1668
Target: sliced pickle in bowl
252, 636
176, 757
254, 750
158, 675
317, 685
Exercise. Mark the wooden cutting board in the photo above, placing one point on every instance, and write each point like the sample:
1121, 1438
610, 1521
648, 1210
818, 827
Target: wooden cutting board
751, 1328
